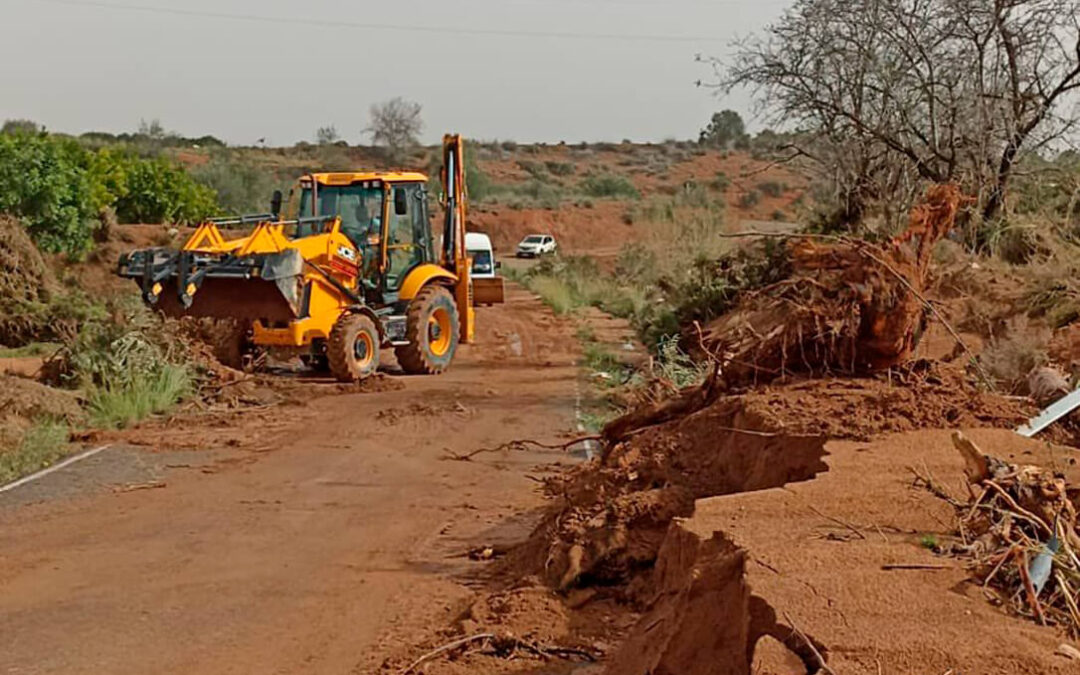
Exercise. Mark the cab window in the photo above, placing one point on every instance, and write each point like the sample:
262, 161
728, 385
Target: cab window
405, 242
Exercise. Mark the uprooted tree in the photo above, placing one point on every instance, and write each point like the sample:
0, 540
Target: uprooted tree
893, 94
847, 306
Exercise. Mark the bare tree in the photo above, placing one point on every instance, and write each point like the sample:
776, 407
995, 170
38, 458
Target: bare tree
152, 129
894, 92
327, 135
395, 125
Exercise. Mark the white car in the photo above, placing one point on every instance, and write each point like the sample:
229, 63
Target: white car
536, 245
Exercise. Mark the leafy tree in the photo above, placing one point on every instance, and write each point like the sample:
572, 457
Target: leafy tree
725, 130
44, 181
396, 125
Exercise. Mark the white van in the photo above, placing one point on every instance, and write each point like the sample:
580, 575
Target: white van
478, 247
487, 286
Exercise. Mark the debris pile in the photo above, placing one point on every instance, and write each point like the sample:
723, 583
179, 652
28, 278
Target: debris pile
849, 306
26, 284
1018, 528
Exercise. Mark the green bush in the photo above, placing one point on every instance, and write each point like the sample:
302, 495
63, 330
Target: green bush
61, 190
158, 191
609, 186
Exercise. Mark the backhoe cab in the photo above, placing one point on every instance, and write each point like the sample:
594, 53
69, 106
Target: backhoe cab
352, 268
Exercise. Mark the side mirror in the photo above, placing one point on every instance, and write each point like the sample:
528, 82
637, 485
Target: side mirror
275, 203
498, 264
401, 203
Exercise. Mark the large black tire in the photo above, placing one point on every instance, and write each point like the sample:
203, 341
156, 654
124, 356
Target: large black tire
353, 348
431, 328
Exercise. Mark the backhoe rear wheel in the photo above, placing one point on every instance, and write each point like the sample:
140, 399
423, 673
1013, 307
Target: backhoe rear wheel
353, 348
431, 328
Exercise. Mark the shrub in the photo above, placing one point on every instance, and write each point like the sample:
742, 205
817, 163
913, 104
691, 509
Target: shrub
240, 187
720, 182
609, 186
160, 192
533, 168
772, 188
1009, 361
560, 168
750, 199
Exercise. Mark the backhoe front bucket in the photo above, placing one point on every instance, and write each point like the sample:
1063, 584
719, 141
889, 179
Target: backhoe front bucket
267, 287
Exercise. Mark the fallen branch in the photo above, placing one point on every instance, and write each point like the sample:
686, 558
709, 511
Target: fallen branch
523, 444
839, 522
915, 566
505, 646
824, 667
445, 648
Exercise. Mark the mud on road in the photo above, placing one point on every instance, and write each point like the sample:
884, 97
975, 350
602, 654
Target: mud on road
302, 538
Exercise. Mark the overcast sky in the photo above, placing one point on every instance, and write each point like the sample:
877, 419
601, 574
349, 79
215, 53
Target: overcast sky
490, 69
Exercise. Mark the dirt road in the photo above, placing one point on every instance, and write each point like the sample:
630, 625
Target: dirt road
342, 541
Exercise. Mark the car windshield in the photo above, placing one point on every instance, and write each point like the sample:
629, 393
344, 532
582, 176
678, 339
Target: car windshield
533, 239
481, 261
359, 207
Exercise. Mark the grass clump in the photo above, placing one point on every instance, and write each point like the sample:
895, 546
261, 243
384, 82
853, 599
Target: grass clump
120, 403
41, 446
554, 292
127, 368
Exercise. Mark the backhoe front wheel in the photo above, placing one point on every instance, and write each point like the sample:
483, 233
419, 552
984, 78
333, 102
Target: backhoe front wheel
431, 329
353, 348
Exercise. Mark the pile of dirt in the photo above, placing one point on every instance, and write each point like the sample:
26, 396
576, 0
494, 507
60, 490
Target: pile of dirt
24, 401
26, 284
849, 306
613, 515
920, 395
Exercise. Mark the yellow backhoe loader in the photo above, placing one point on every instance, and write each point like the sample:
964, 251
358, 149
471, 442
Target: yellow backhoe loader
351, 268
